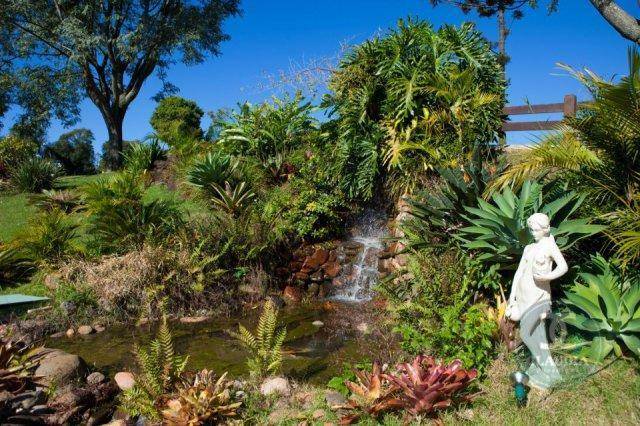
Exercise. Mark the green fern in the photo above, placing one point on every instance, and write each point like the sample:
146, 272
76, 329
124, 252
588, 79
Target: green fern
265, 346
160, 368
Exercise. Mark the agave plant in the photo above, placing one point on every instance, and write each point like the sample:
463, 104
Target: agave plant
202, 398
427, 385
35, 174
265, 346
499, 232
436, 215
65, 200
372, 394
607, 308
214, 168
232, 199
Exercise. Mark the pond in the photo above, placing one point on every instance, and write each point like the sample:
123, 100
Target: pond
312, 353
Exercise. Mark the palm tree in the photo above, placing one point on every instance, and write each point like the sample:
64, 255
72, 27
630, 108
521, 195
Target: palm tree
599, 150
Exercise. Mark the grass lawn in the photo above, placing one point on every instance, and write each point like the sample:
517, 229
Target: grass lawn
14, 213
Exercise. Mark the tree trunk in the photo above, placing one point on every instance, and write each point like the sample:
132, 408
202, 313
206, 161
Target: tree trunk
619, 19
114, 127
503, 32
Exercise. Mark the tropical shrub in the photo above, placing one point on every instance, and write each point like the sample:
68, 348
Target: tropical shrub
437, 214
232, 200
177, 120
412, 100
49, 236
14, 265
73, 151
215, 167
65, 200
35, 174
160, 370
140, 156
605, 305
498, 230
14, 151
265, 346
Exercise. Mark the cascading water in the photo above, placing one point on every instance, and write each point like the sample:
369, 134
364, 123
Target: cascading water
360, 275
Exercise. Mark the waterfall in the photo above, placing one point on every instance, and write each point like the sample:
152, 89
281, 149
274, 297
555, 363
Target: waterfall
360, 275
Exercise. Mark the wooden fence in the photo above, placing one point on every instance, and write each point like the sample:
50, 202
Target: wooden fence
567, 108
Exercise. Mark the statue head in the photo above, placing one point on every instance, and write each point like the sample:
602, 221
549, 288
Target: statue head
539, 226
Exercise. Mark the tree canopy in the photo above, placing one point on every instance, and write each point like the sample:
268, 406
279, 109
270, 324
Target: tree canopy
107, 47
74, 151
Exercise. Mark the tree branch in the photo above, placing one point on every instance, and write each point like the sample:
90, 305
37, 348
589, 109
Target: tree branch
619, 19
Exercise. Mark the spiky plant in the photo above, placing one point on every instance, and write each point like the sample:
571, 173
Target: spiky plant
66, 200
265, 346
35, 174
230, 199
201, 398
141, 156
14, 265
160, 369
50, 236
216, 167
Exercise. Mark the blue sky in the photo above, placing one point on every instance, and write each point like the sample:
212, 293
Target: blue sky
272, 34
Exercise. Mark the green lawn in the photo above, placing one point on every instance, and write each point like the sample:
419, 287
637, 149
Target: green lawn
14, 213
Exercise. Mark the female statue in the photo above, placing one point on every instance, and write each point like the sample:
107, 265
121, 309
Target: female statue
530, 298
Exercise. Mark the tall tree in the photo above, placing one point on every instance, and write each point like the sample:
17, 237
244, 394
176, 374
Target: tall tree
113, 46
627, 25
500, 9
74, 151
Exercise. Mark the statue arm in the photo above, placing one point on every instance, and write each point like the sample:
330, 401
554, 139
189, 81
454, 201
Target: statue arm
516, 279
561, 264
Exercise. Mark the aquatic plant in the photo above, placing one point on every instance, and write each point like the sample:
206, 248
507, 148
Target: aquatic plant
265, 346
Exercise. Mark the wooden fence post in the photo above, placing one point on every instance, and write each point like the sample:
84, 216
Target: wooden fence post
570, 105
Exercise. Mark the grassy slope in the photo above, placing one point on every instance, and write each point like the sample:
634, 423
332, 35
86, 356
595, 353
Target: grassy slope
14, 213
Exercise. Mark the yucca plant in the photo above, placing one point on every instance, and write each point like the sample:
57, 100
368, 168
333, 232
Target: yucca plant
232, 200
216, 168
35, 174
427, 385
65, 200
14, 265
160, 370
605, 304
201, 398
498, 230
141, 156
49, 236
265, 346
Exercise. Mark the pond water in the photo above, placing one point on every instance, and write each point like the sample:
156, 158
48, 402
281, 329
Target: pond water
312, 353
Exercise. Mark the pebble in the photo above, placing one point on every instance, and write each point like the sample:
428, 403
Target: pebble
275, 385
70, 332
85, 329
124, 380
95, 378
318, 323
99, 328
193, 320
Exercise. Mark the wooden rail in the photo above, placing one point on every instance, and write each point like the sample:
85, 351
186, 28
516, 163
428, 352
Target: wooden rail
568, 108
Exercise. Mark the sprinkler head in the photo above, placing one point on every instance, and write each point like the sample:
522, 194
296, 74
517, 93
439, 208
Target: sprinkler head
519, 380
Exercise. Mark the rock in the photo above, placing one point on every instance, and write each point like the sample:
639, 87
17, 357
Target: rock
332, 269
85, 329
95, 378
292, 294
334, 399
124, 380
58, 335
318, 257
318, 323
193, 320
99, 328
318, 414
275, 385
60, 369
70, 332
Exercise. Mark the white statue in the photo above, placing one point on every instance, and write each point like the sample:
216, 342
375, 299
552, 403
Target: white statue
530, 298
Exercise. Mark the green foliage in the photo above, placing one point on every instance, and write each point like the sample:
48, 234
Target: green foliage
65, 200
110, 157
232, 200
438, 214
15, 151
14, 266
121, 218
35, 174
177, 120
140, 156
265, 346
216, 168
412, 100
498, 230
606, 306
160, 369
74, 152
49, 236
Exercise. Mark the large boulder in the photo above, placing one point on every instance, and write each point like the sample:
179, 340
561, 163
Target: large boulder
275, 385
60, 369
